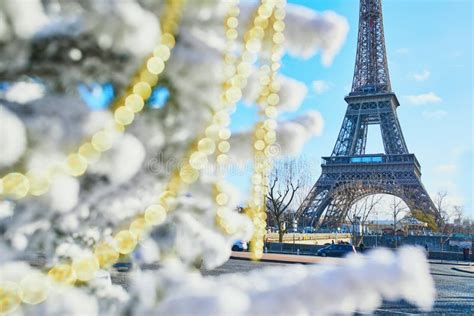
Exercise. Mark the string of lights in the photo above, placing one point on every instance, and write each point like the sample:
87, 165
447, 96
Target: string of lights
36, 182
264, 135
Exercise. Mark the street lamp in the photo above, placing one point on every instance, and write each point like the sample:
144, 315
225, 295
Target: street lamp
295, 228
376, 227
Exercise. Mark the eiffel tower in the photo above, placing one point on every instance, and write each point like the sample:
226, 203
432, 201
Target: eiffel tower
350, 174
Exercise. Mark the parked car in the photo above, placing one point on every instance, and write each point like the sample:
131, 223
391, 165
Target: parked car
338, 250
309, 230
239, 245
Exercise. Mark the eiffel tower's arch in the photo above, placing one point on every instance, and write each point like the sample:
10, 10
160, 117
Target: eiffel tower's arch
335, 203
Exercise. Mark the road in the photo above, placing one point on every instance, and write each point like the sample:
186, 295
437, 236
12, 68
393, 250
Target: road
455, 290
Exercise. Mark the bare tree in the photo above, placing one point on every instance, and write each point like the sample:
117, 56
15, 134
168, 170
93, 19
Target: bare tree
442, 209
360, 212
397, 208
286, 182
458, 211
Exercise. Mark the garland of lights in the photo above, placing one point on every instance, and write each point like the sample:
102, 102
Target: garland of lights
36, 182
34, 288
265, 135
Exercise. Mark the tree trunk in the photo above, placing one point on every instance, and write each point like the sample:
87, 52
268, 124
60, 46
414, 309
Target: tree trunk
280, 233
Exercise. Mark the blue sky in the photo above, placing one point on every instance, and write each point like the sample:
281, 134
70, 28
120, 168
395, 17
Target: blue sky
429, 47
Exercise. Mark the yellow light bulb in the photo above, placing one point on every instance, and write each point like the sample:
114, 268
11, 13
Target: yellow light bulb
224, 146
126, 242
62, 273
260, 133
257, 32
88, 152
148, 77
271, 112
139, 228
134, 102
39, 180
222, 199
212, 131
279, 26
9, 297
188, 174
143, 89
76, 164
279, 14
106, 254
198, 160
232, 22
34, 288
123, 115
155, 214
231, 34
155, 65
168, 40
265, 10
207, 146
224, 134
163, 52
259, 145
270, 139
222, 159
221, 118
253, 46
102, 141
270, 124
261, 22
278, 38
85, 267
15, 185
275, 87
273, 99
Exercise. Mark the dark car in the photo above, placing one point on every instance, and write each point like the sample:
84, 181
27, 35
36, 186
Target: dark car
339, 250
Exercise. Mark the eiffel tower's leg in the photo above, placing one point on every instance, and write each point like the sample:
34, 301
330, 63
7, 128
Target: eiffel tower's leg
346, 136
311, 206
417, 199
393, 140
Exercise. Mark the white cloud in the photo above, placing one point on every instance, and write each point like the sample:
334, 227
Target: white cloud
422, 99
434, 115
320, 86
421, 76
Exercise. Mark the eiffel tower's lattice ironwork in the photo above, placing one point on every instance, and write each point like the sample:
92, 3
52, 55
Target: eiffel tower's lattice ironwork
350, 174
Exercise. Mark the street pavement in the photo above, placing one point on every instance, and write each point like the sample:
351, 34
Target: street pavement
455, 289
